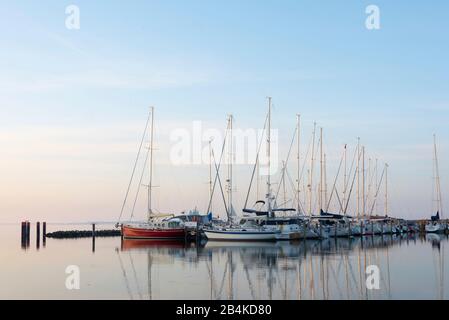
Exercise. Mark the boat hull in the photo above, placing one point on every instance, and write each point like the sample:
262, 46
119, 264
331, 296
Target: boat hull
226, 235
129, 232
434, 228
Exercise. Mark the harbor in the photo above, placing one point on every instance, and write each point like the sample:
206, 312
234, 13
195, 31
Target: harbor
332, 268
233, 158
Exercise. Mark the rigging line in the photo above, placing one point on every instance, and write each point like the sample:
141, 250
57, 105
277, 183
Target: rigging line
305, 159
293, 186
335, 183
134, 169
353, 181
140, 183
219, 165
339, 201
255, 165
377, 192
370, 183
350, 171
285, 164
221, 187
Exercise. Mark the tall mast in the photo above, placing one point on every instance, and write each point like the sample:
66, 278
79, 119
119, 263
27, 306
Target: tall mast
284, 190
150, 184
325, 181
437, 178
321, 188
298, 158
358, 177
210, 172
230, 160
377, 186
386, 189
268, 196
345, 176
311, 169
363, 181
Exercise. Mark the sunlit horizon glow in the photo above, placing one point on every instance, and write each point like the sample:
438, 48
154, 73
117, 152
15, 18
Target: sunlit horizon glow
73, 103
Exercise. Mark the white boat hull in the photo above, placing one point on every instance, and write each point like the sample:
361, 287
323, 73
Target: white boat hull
240, 235
434, 228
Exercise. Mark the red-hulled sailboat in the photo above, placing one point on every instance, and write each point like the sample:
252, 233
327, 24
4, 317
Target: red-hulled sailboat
158, 226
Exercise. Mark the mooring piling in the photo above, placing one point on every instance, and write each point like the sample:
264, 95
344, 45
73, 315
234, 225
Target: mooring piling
44, 233
93, 237
38, 234
24, 235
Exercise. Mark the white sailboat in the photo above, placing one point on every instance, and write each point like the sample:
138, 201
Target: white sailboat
435, 225
250, 230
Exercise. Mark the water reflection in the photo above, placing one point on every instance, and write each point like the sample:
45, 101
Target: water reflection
327, 269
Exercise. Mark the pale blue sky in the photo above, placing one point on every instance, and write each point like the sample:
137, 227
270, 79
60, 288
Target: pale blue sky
86, 91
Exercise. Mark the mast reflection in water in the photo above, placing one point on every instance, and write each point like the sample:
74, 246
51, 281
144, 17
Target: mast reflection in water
328, 269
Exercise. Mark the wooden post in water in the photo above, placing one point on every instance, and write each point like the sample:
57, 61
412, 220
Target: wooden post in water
372, 228
24, 235
28, 227
38, 234
44, 233
93, 237
349, 229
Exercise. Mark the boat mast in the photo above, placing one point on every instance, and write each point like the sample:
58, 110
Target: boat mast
437, 178
358, 178
230, 160
311, 169
386, 189
377, 186
345, 175
363, 181
150, 184
325, 181
320, 190
298, 158
210, 172
268, 196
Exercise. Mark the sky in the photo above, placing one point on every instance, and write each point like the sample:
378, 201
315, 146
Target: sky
73, 103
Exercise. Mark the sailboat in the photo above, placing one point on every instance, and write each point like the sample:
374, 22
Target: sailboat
158, 226
250, 229
435, 225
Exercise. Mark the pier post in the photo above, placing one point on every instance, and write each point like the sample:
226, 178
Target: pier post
372, 228
28, 228
93, 237
349, 229
24, 234
44, 233
38, 234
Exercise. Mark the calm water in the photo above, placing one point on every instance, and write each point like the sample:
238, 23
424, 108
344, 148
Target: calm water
410, 268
